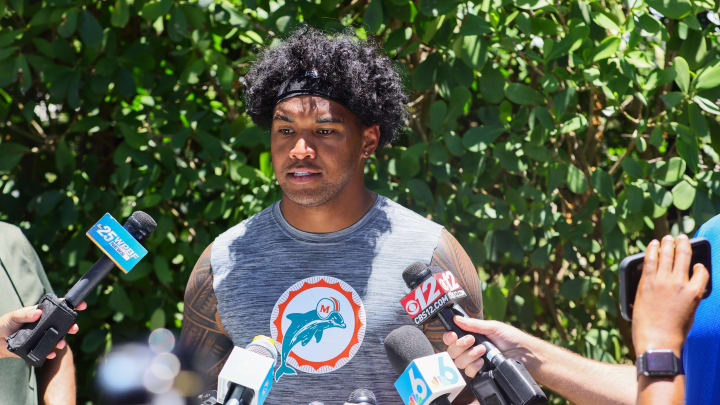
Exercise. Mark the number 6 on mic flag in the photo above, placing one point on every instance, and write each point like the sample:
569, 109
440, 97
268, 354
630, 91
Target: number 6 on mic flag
429, 378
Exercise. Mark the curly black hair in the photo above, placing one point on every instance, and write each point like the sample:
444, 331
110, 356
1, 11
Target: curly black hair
363, 79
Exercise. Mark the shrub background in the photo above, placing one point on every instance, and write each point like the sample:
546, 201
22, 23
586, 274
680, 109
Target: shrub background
552, 138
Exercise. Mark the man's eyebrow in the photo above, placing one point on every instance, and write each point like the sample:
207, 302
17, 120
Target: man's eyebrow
325, 120
280, 117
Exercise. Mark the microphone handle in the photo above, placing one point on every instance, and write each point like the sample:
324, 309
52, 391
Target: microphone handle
443, 400
239, 395
446, 314
88, 281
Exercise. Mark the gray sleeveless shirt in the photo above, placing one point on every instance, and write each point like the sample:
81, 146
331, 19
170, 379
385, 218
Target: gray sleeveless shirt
328, 299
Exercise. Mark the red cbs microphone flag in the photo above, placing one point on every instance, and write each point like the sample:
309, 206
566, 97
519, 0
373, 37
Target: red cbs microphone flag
431, 296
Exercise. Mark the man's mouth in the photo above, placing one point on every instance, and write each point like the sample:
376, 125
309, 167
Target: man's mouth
301, 176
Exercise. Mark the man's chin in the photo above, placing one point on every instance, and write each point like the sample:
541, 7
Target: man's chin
308, 198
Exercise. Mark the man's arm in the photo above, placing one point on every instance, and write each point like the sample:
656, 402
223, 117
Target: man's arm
450, 256
202, 335
56, 379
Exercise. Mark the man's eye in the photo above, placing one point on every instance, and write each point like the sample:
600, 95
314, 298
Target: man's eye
285, 131
325, 131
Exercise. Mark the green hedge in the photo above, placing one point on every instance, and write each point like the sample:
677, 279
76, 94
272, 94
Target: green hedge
552, 138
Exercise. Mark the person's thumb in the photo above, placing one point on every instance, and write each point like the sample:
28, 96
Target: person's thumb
19, 317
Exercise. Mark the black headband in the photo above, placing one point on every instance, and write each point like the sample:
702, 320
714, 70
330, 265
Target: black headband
308, 83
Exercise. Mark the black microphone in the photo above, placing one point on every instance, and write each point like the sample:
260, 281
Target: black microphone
140, 225
34, 341
405, 344
502, 380
362, 396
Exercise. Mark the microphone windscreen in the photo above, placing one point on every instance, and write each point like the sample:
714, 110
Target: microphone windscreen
406, 344
263, 346
415, 273
140, 225
362, 396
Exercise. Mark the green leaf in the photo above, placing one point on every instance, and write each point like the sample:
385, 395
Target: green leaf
434, 8
152, 10
425, 73
603, 183
69, 24
605, 22
373, 18
10, 155
688, 149
90, 30
474, 25
607, 48
473, 51
121, 14
574, 289
682, 73
708, 77
683, 195
670, 172
576, 180
635, 198
492, 84
675, 9
672, 99
64, 158
522, 94
697, 121
420, 190
495, 303
707, 105
438, 110
157, 320
266, 165
119, 300
437, 154
482, 136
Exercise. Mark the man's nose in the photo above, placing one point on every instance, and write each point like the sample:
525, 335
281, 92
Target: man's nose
302, 150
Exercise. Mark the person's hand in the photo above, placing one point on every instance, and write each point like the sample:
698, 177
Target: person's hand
666, 298
13, 321
508, 339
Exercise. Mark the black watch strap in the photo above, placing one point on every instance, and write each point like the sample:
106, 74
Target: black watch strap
659, 363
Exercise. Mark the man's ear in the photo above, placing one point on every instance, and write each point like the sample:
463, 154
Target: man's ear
370, 139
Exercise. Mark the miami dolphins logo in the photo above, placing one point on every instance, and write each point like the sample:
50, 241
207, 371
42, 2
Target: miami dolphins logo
320, 322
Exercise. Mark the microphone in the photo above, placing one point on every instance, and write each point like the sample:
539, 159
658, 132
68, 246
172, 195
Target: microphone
247, 376
121, 245
362, 396
502, 380
425, 377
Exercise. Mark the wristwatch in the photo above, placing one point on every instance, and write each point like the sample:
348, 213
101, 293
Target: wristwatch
659, 363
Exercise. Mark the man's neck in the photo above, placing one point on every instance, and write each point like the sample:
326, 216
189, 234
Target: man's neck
329, 217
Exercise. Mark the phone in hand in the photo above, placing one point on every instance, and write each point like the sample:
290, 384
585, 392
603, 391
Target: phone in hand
631, 270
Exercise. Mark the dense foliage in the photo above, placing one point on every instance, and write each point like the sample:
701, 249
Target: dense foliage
552, 138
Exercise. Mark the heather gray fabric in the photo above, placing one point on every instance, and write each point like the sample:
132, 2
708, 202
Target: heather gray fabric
328, 299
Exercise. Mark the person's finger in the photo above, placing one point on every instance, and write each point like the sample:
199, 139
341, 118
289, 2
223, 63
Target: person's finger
74, 329
683, 256
81, 307
470, 356
25, 315
667, 252
650, 262
449, 338
699, 279
51, 355
61, 344
460, 346
473, 368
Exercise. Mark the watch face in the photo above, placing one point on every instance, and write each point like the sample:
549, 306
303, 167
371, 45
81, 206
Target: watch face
660, 361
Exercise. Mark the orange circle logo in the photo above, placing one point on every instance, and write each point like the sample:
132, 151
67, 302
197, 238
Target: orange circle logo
319, 324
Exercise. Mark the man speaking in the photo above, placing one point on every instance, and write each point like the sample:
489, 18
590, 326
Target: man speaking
320, 270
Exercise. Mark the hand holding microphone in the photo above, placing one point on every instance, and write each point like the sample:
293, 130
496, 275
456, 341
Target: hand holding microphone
35, 340
502, 380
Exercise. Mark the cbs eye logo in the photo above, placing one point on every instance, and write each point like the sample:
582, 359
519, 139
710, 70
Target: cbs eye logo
412, 307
